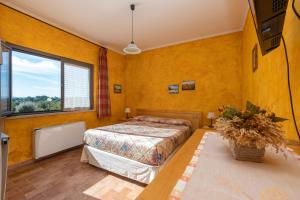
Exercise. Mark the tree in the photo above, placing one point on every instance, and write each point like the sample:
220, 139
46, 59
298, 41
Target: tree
43, 105
26, 107
37, 103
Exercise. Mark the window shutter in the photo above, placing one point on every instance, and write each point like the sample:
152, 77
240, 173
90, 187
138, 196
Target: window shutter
76, 87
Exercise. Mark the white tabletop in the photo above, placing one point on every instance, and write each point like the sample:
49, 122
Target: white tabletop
218, 176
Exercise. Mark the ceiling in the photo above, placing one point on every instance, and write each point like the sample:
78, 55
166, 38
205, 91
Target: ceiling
157, 23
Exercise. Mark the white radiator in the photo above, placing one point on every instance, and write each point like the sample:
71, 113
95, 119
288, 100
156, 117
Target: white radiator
54, 139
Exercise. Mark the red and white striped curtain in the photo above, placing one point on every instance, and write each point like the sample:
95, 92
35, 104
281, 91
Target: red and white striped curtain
103, 99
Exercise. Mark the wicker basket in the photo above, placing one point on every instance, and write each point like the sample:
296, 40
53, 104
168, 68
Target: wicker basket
247, 153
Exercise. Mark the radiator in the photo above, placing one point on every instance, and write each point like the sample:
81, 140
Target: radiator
53, 139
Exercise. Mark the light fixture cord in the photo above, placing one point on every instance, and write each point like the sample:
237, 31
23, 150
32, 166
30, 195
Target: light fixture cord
132, 26
289, 87
295, 10
288, 68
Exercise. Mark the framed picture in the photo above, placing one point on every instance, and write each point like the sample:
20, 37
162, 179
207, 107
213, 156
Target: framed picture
296, 7
117, 88
254, 58
173, 89
188, 85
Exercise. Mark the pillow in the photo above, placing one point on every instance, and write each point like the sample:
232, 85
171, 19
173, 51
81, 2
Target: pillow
141, 117
163, 120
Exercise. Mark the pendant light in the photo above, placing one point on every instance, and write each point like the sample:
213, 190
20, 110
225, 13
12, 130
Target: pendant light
132, 48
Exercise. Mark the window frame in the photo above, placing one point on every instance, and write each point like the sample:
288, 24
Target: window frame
91, 75
62, 61
8, 112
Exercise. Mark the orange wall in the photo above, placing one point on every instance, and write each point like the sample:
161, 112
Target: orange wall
221, 67
267, 86
20, 29
214, 63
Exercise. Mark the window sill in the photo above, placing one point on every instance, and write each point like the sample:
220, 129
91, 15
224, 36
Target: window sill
47, 114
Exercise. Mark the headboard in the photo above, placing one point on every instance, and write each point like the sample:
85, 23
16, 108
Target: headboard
194, 117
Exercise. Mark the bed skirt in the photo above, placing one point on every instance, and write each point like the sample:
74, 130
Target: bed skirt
123, 166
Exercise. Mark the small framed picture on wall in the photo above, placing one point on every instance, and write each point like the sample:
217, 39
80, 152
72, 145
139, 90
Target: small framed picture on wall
117, 88
173, 89
254, 58
188, 85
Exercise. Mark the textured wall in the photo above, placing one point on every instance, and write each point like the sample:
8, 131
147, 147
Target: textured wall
214, 63
221, 67
26, 31
268, 85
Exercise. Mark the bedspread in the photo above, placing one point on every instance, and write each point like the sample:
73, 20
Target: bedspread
143, 141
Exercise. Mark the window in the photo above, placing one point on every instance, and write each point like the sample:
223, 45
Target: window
46, 83
36, 83
77, 87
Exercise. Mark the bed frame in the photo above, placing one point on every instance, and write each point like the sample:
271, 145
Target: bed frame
194, 117
130, 168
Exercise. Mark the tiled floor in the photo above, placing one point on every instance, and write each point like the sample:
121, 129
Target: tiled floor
65, 177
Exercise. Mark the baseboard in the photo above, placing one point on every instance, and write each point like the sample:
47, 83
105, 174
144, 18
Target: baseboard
13, 168
60, 152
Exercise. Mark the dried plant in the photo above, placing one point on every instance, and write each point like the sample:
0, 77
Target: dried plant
253, 127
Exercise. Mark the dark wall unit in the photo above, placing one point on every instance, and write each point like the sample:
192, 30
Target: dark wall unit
269, 18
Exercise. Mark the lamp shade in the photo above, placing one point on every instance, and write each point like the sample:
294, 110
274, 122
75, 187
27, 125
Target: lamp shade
211, 115
132, 49
127, 110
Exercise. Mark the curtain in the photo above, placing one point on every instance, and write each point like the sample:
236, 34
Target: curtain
103, 99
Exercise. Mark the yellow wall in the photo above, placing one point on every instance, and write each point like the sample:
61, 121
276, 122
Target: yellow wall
267, 86
20, 29
221, 67
214, 63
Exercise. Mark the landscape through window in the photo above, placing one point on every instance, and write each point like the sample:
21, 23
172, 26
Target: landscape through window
36, 83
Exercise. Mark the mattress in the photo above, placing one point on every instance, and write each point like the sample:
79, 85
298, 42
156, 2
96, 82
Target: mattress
146, 140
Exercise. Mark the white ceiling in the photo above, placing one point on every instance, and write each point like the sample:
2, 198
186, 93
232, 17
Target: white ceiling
157, 22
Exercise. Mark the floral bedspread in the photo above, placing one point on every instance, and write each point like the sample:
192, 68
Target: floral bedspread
144, 141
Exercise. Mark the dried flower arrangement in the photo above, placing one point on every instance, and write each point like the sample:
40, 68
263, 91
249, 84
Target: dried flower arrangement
253, 127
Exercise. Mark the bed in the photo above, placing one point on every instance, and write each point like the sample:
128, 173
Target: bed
139, 149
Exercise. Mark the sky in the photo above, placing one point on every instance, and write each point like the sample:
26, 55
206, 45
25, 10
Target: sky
35, 76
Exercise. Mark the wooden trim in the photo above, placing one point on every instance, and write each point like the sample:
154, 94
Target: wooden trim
13, 168
54, 154
164, 182
194, 117
47, 114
